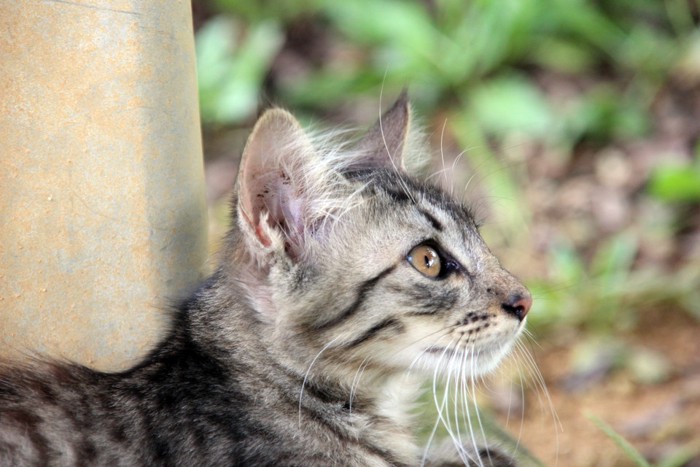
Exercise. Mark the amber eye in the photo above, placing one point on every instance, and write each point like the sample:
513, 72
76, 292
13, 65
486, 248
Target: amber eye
426, 260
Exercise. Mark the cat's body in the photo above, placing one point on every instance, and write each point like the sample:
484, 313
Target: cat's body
187, 406
340, 274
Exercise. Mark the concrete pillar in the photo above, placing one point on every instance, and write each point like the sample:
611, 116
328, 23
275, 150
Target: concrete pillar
102, 212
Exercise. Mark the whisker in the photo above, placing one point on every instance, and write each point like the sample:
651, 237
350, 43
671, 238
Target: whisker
459, 403
445, 398
539, 380
519, 368
356, 381
438, 406
475, 403
541, 386
439, 333
442, 155
459, 368
472, 402
308, 370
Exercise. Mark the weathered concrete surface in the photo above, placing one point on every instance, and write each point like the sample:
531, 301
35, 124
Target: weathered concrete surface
102, 215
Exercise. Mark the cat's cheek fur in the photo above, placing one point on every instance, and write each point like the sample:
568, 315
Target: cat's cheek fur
423, 352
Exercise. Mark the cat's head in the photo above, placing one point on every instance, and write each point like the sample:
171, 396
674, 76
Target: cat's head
348, 254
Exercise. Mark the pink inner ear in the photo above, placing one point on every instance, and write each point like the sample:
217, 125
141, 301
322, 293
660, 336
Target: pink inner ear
258, 228
260, 233
253, 191
291, 210
273, 200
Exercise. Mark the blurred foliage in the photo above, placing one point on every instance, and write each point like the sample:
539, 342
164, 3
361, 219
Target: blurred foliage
448, 49
476, 62
673, 183
678, 458
231, 68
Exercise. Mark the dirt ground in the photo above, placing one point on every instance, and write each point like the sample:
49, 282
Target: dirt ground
661, 420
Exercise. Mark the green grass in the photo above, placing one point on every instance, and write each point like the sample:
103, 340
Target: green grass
621, 442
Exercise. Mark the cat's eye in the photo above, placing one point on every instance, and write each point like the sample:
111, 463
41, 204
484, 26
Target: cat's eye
426, 260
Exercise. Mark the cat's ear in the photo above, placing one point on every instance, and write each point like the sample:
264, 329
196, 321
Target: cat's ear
384, 145
273, 183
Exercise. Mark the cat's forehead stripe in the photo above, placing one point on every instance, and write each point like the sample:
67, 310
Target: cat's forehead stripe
397, 187
437, 225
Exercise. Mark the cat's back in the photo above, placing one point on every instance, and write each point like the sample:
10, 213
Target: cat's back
164, 409
55, 414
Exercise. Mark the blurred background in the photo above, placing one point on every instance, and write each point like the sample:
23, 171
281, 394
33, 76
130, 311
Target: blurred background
572, 127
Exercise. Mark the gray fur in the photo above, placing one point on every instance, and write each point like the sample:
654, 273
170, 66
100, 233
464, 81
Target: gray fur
296, 351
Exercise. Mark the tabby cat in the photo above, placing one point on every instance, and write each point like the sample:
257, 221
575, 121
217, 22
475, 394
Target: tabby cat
342, 283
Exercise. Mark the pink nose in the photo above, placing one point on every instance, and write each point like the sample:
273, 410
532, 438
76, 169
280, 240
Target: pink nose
518, 305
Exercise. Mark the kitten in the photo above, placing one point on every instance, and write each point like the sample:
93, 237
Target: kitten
340, 274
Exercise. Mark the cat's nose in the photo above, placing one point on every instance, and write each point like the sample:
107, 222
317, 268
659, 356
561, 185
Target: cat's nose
518, 305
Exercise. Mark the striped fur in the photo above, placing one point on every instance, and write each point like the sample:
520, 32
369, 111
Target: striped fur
309, 343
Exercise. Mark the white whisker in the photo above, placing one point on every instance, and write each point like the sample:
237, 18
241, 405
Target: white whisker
522, 408
541, 387
437, 404
356, 381
476, 408
475, 404
308, 370
442, 154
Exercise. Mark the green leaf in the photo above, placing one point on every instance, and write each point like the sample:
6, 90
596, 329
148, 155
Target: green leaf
406, 25
681, 456
605, 114
510, 104
230, 71
567, 265
670, 183
564, 55
614, 259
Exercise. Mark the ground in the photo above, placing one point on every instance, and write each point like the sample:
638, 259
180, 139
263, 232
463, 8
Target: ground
660, 419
